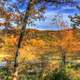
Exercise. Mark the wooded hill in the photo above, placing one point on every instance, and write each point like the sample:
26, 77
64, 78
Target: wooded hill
37, 43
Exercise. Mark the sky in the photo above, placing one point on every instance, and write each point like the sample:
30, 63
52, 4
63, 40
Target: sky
62, 10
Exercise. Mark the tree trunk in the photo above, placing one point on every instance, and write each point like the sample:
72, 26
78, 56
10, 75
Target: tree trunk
63, 57
25, 18
15, 75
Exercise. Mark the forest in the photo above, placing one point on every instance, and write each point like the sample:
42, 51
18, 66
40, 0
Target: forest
39, 39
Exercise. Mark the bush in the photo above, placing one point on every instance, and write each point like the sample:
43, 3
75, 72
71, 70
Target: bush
57, 75
5, 74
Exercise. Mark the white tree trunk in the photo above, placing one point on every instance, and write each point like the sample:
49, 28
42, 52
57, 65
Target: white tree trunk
15, 75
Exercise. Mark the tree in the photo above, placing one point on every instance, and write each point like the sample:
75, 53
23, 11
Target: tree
26, 16
66, 38
75, 20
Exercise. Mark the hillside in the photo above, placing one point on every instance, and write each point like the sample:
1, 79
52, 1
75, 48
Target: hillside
36, 43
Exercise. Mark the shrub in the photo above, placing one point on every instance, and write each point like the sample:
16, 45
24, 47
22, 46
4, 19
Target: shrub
57, 75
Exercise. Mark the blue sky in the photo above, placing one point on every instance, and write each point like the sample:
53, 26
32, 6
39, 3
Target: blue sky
63, 10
